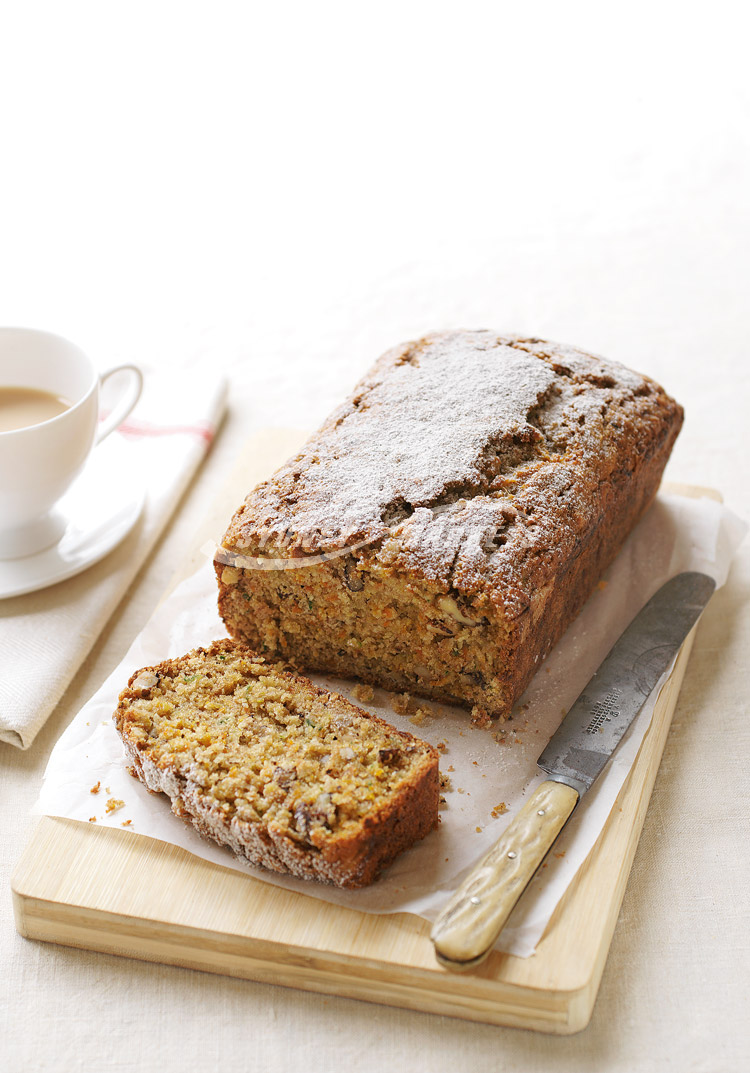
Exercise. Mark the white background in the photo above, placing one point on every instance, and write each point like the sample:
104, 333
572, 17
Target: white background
285, 190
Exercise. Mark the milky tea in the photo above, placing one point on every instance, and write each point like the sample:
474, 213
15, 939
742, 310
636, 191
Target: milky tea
24, 406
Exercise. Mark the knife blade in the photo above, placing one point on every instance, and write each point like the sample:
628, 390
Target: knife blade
466, 930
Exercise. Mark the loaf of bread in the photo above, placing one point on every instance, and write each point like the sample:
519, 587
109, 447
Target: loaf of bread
442, 529
289, 776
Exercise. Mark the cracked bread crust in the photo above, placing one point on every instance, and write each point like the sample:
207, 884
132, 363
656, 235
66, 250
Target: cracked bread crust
289, 776
481, 483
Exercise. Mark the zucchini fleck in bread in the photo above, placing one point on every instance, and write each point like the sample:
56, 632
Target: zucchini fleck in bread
287, 775
445, 525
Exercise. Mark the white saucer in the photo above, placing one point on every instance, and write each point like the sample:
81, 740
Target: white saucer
99, 510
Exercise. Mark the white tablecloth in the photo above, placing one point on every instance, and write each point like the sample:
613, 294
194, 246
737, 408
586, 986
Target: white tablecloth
283, 195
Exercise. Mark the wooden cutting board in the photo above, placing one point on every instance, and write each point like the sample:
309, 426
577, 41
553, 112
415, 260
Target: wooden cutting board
123, 893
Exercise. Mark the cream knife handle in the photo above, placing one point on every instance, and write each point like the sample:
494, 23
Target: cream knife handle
466, 930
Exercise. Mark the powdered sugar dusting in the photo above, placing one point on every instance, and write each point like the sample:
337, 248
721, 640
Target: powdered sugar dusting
465, 457
431, 424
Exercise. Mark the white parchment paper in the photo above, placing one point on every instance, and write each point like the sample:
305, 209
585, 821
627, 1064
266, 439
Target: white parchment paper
490, 771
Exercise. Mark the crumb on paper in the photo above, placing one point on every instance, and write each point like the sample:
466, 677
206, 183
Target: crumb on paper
445, 782
460, 790
450, 767
364, 692
421, 716
95, 788
92, 819
114, 803
107, 790
442, 802
499, 810
126, 823
442, 746
478, 830
560, 854
400, 703
475, 763
480, 717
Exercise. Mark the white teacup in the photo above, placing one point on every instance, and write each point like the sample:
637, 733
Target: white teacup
38, 462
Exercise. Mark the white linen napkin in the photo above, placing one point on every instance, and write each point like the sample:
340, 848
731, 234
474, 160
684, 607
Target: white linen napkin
46, 635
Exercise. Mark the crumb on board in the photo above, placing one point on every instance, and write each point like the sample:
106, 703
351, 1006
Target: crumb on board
560, 854
114, 803
95, 788
460, 790
478, 830
441, 746
499, 810
602, 585
442, 802
450, 767
363, 692
445, 782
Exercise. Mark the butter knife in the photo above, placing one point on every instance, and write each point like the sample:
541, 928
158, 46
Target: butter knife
466, 930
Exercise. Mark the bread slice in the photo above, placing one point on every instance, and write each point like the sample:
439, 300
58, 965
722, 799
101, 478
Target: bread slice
289, 776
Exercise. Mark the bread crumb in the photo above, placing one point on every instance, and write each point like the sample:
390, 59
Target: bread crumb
92, 819
445, 782
400, 703
114, 804
95, 789
441, 746
460, 790
126, 823
363, 692
480, 717
451, 767
499, 810
478, 830
602, 585
561, 854
421, 716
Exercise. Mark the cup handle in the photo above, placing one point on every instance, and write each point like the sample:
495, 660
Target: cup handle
125, 404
